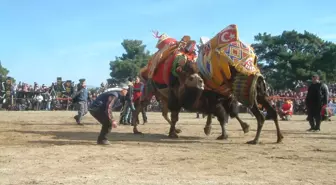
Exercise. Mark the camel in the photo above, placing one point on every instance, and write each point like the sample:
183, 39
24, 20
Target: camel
229, 67
173, 95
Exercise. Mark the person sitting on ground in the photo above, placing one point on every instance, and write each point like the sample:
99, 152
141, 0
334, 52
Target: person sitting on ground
286, 110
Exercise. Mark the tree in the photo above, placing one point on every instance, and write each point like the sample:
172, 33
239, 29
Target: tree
292, 56
327, 62
129, 64
3, 73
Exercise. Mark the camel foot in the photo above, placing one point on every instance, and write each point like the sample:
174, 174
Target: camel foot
135, 131
253, 142
173, 135
178, 131
222, 137
280, 138
246, 128
207, 130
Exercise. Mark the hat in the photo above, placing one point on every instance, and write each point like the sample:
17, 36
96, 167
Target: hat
124, 86
164, 40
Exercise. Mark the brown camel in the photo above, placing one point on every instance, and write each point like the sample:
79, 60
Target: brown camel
174, 97
229, 67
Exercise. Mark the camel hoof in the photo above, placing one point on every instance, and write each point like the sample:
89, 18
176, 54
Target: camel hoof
280, 139
253, 142
135, 131
246, 128
178, 131
207, 130
222, 137
173, 135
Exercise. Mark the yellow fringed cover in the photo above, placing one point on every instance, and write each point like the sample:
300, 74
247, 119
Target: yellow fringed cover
221, 52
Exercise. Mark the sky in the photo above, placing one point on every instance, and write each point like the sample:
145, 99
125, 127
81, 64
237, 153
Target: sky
43, 39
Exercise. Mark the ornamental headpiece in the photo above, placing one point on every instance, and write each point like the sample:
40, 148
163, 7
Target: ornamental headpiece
164, 40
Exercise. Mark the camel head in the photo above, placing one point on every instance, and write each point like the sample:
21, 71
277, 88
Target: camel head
193, 85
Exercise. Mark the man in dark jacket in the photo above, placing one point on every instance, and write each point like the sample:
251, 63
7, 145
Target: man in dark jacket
101, 110
129, 105
316, 98
81, 99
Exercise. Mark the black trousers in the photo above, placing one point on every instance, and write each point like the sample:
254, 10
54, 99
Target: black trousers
106, 124
314, 118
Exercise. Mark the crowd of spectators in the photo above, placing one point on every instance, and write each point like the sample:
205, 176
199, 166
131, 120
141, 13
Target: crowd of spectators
42, 97
297, 96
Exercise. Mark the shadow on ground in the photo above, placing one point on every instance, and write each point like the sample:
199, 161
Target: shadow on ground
88, 138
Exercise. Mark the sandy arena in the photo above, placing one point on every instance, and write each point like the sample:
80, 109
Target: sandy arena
48, 148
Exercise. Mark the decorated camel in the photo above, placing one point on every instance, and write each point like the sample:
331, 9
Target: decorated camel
165, 76
229, 68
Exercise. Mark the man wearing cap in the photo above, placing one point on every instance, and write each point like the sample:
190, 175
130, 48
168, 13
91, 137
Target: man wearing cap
316, 98
101, 110
129, 105
81, 98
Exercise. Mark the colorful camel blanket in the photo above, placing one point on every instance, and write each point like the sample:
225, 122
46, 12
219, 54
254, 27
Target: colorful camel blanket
223, 51
158, 58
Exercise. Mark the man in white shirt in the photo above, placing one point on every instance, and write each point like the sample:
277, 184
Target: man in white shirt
38, 99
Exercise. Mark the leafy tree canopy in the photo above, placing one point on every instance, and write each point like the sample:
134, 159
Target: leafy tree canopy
129, 64
290, 57
3, 73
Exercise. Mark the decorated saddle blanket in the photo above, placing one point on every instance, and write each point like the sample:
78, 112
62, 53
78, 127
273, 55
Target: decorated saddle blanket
158, 58
219, 54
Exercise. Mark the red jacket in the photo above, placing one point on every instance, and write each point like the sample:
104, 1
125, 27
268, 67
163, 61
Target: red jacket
137, 91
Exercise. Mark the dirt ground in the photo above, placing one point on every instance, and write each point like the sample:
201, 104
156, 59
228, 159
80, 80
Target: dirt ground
48, 148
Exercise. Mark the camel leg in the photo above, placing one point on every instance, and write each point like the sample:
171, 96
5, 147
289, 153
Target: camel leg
273, 114
260, 119
175, 109
222, 117
244, 125
207, 128
174, 117
135, 118
143, 109
165, 112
